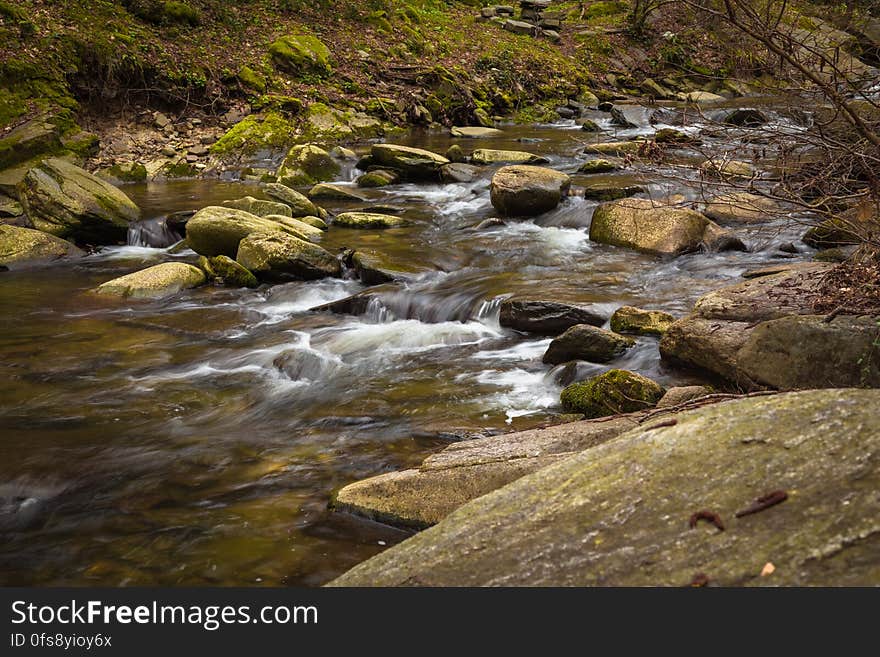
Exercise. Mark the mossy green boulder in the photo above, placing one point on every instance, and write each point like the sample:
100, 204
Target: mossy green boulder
298, 227
307, 164
259, 207
527, 191
378, 178
587, 342
727, 169
278, 256
586, 520
618, 148
155, 282
628, 319
24, 247
226, 270
493, 156
300, 53
660, 229
217, 230
741, 207
615, 391
368, 220
29, 140
598, 166
62, 199
413, 163
299, 204
332, 192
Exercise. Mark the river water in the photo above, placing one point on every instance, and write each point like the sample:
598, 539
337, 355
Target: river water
197, 440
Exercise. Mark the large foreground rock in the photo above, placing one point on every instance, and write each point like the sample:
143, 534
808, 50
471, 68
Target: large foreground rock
414, 163
62, 199
526, 191
278, 256
618, 514
155, 282
545, 317
25, 247
764, 333
217, 230
646, 226
464, 471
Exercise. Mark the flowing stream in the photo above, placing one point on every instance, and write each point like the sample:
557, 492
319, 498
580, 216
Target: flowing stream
197, 440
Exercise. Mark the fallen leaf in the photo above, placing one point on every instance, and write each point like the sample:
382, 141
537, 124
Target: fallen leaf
767, 569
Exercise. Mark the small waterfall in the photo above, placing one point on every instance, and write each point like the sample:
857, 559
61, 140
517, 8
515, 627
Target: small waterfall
153, 233
428, 306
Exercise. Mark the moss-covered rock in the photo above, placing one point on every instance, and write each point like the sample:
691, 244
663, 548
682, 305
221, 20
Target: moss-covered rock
217, 230
316, 222
610, 190
700, 97
645, 226
155, 282
493, 156
124, 172
474, 132
618, 148
727, 169
268, 130
586, 520
62, 199
741, 207
251, 80
599, 166
615, 391
37, 137
587, 342
368, 220
301, 53
307, 164
299, 204
378, 178
374, 268
526, 191
628, 319
279, 256
331, 192
24, 247
230, 273
414, 163
259, 207
298, 227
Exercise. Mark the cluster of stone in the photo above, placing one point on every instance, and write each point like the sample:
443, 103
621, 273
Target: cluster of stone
534, 18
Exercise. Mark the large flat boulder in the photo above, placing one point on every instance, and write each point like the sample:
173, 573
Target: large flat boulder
278, 256
413, 163
643, 225
464, 471
25, 247
62, 199
217, 230
154, 282
527, 191
494, 156
619, 514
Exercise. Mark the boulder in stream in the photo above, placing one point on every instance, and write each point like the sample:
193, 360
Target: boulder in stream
331, 192
154, 282
259, 207
526, 191
414, 163
378, 178
299, 204
277, 256
741, 207
599, 165
545, 317
225, 270
661, 229
458, 172
307, 164
727, 169
628, 319
217, 230
586, 342
585, 520
474, 132
618, 148
25, 247
62, 199
493, 156
298, 227
615, 391
368, 220
374, 268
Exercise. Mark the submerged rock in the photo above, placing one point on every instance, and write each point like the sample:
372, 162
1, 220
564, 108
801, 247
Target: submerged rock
615, 391
545, 317
645, 226
526, 191
465, 471
586, 342
414, 163
368, 220
299, 204
586, 520
627, 319
259, 207
62, 199
492, 156
25, 247
279, 256
155, 282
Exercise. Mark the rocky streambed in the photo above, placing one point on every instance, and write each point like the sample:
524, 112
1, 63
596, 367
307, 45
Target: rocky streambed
182, 413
